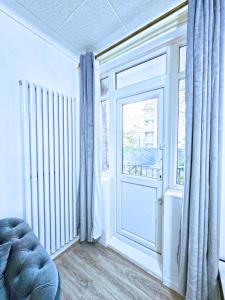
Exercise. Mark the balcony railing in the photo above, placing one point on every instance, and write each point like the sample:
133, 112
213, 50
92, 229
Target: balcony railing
141, 170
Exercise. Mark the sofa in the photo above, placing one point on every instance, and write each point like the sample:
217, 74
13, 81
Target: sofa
30, 273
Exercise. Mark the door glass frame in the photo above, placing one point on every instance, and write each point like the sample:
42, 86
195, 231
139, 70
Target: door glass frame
155, 93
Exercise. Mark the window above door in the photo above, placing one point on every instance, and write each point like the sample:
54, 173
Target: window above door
153, 67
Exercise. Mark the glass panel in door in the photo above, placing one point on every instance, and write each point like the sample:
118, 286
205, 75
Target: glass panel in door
140, 138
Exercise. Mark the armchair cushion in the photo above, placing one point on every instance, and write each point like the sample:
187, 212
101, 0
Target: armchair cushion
4, 254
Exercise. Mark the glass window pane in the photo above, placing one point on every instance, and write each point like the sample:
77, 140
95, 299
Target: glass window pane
105, 133
182, 62
181, 133
140, 138
148, 69
104, 86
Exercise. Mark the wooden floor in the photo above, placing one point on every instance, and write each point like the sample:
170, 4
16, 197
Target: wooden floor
93, 272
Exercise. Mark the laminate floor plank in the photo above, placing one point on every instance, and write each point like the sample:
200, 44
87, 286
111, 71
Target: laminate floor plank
92, 272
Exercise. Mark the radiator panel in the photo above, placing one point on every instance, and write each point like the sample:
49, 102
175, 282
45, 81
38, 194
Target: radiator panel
49, 164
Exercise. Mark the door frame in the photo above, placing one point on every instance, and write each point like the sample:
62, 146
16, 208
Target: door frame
157, 83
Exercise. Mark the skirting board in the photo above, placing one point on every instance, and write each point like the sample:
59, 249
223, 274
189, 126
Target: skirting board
103, 242
64, 248
149, 264
171, 285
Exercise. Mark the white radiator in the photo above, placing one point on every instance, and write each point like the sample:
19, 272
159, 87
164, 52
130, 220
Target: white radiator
49, 164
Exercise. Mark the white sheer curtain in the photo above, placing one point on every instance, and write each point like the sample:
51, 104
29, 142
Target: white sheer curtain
97, 195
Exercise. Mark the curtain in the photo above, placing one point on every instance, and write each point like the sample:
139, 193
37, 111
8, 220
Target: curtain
90, 200
199, 248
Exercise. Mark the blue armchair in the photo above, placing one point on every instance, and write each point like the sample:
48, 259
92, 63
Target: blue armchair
30, 272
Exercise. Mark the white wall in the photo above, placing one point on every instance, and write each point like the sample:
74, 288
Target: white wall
24, 55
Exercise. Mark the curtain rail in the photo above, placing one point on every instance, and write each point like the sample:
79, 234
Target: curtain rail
148, 25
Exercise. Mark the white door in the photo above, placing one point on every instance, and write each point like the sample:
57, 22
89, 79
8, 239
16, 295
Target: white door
140, 169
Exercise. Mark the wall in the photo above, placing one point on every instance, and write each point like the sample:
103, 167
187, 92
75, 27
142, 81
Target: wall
24, 55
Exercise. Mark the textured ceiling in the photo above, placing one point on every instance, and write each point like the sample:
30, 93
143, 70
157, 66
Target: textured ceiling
81, 25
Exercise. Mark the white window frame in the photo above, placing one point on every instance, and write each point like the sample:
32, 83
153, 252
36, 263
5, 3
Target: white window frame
171, 92
167, 44
176, 76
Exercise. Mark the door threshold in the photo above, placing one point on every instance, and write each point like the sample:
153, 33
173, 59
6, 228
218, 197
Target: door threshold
151, 264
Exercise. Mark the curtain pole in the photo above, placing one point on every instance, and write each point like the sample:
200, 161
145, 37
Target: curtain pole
148, 25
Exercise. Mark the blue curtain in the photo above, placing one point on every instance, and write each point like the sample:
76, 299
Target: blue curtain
199, 249
86, 146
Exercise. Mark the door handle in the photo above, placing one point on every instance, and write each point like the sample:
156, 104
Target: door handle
160, 201
162, 147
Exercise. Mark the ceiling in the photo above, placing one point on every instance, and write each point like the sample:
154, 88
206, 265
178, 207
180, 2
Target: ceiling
81, 25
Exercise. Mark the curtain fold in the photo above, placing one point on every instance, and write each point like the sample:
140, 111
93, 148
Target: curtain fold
199, 248
90, 201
